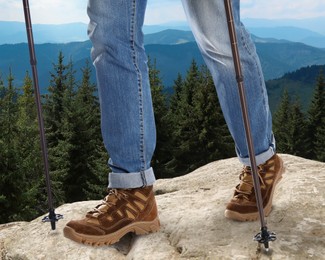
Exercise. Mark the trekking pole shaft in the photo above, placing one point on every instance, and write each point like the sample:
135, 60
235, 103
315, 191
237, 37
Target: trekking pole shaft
33, 63
239, 78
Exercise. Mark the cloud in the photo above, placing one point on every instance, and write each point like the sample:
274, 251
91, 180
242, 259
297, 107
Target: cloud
164, 11
158, 11
282, 9
59, 10
45, 11
11, 10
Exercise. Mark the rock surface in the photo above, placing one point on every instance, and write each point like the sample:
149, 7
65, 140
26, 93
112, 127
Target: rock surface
191, 211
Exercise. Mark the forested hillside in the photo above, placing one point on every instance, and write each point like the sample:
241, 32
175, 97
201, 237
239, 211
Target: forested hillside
301, 132
299, 84
191, 132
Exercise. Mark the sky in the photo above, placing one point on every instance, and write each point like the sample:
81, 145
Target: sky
158, 11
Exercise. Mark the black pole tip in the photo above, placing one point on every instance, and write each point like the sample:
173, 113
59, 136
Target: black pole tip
53, 218
264, 237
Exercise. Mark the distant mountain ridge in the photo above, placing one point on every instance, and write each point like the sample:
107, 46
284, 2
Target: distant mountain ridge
299, 84
315, 24
16, 57
169, 36
280, 58
15, 32
308, 31
291, 33
277, 57
275, 34
172, 57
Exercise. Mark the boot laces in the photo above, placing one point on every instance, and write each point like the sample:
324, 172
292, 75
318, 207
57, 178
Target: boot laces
246, 186
109, 201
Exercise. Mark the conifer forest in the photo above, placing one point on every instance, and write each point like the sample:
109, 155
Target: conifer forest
191, 132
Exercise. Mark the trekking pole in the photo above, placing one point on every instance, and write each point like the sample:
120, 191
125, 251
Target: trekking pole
264, 236
52, 216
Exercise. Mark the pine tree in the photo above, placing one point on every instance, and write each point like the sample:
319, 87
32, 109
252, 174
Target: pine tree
57, 126
175, 99
320, 142
30, 165
63, 151
3, 217
316, 115
88, 170
10, 184
200, 134
2, 89
54, 103
214, 139
77, 155
184, 132
162, 151
173, 115
297, 131
281, 124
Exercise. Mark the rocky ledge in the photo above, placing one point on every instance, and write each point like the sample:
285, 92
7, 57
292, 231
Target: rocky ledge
191, 211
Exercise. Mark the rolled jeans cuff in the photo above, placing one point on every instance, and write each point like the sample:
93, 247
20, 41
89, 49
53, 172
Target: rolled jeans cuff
262, 157
131, 180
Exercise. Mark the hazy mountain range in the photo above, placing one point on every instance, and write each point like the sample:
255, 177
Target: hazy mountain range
300, 85
172, 49
308, 31
15, 32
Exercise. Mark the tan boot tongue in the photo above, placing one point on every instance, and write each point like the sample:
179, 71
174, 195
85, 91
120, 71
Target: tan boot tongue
103, 208
245, 187
111, 199
246, 183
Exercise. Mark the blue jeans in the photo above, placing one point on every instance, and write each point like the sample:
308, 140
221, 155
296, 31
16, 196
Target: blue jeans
127, 119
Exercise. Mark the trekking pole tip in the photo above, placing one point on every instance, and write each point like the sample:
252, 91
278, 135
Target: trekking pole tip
264, 237
53, 218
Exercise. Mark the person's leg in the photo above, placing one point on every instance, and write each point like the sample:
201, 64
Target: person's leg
208, 22
209, 25
128, 127
127, 118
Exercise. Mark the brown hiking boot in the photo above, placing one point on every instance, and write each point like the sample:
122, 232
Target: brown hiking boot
122, 211
242, 206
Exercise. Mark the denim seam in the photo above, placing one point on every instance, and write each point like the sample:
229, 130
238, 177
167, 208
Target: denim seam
143, 177
139, 81
244, 34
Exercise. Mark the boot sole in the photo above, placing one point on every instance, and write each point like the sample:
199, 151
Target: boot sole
255, 215
139, 228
